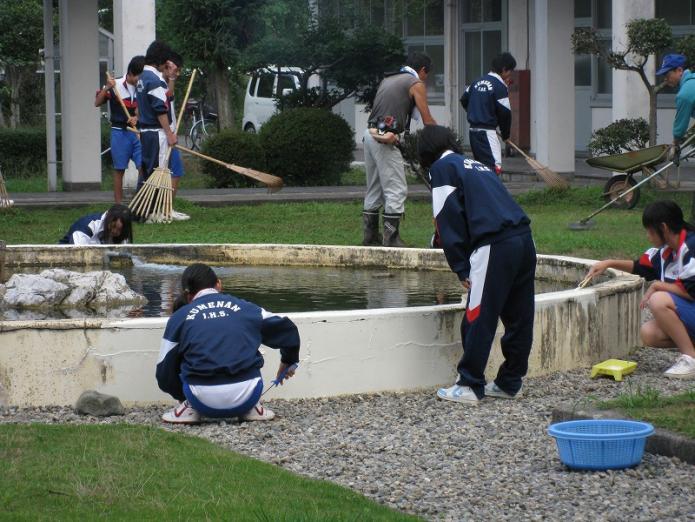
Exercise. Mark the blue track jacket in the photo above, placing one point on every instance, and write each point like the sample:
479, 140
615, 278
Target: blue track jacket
215, 339
486, 101
472, 208
85, 231
152, 100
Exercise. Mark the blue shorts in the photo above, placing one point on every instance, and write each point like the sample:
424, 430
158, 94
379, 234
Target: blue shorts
125, 146
686, 312
176, 164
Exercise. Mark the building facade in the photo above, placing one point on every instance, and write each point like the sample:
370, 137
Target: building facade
570, 96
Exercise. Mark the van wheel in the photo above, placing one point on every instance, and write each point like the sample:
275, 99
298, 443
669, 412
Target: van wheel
250, 128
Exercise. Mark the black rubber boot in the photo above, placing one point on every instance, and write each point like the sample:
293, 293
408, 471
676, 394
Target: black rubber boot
370, 223
391, 224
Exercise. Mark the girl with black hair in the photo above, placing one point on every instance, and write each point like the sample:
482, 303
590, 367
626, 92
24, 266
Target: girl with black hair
670, 263
210, 359
110, 228
487, 241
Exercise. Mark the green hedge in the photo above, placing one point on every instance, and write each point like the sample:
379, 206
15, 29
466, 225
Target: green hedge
307, 146
233, 146
23, 150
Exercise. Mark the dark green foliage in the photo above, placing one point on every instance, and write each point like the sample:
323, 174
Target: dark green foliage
307, 146
648, 36
351, 61
686, 46
23, 150
620, 136
232, 146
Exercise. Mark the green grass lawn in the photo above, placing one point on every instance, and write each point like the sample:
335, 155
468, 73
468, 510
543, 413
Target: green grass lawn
618, 233
675, 413
124, 472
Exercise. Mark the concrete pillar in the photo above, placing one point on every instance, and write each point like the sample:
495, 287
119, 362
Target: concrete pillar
133, 30
552, 84
630, 97
79, 80
451, 61
519, 32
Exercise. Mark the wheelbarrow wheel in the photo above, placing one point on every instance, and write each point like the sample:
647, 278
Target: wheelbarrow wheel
616, 186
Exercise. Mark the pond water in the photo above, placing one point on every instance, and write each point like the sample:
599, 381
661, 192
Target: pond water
285, 289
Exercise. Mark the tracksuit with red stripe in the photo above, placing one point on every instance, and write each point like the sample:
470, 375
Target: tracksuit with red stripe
487, 239
673, 266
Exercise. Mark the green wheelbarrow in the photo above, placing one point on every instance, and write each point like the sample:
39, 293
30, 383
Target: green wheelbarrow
628, 164
622, 190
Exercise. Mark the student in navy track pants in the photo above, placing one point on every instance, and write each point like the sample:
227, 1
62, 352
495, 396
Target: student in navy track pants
487, 242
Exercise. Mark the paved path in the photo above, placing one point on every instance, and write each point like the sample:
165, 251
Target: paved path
518, 178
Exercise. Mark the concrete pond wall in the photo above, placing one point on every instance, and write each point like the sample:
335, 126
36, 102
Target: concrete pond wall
345, 352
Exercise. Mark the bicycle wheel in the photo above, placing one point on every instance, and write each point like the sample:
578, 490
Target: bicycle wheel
201, 131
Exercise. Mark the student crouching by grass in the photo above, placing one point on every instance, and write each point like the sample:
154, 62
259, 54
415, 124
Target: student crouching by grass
487, 242
210, 359
110, 228
670, 264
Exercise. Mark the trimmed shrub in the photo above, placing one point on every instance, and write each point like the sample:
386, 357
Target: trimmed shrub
306, 146
233, 146
620, 136
23, 150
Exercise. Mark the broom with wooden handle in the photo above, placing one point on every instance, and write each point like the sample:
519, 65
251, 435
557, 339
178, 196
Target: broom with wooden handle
551, 178
273, 183
122, 104
156, 193
5, 201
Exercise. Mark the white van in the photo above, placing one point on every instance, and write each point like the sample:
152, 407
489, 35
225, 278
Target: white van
259, 104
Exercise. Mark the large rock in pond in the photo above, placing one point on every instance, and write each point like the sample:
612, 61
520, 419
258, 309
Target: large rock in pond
58, 288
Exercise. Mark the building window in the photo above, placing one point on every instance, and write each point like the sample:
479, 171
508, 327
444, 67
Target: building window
423, 31
680, 14
676, 12
483, 36
591, 71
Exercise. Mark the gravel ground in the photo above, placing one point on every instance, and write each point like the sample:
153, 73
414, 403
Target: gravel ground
445, 461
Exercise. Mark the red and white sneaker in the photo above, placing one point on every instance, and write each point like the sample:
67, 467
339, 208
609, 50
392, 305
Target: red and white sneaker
182, 414
258, 413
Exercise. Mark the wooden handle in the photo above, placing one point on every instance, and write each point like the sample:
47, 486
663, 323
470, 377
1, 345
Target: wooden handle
203, 156
515, 147
118, 97
182, 109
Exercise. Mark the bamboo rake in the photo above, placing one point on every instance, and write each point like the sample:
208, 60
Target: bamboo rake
274, 183
157, 191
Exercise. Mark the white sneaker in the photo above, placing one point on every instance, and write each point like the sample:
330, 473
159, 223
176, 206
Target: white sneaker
684, 368
179, 216
492, 390
458, 393
182, 414
258, 413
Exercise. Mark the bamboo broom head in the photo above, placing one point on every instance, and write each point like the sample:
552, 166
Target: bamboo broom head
5, 201
549, 176
154, 200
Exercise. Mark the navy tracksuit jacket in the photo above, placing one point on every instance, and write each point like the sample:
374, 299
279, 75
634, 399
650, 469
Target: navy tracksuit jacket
487, 239
486, 101
215, 340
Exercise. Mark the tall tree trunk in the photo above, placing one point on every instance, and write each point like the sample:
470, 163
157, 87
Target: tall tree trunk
14, 81
220, 80
652, 90
652, 117
3, 123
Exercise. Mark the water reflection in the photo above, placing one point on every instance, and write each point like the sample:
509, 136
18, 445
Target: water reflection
286, 289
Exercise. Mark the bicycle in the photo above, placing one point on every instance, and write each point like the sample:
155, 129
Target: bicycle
203, 124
